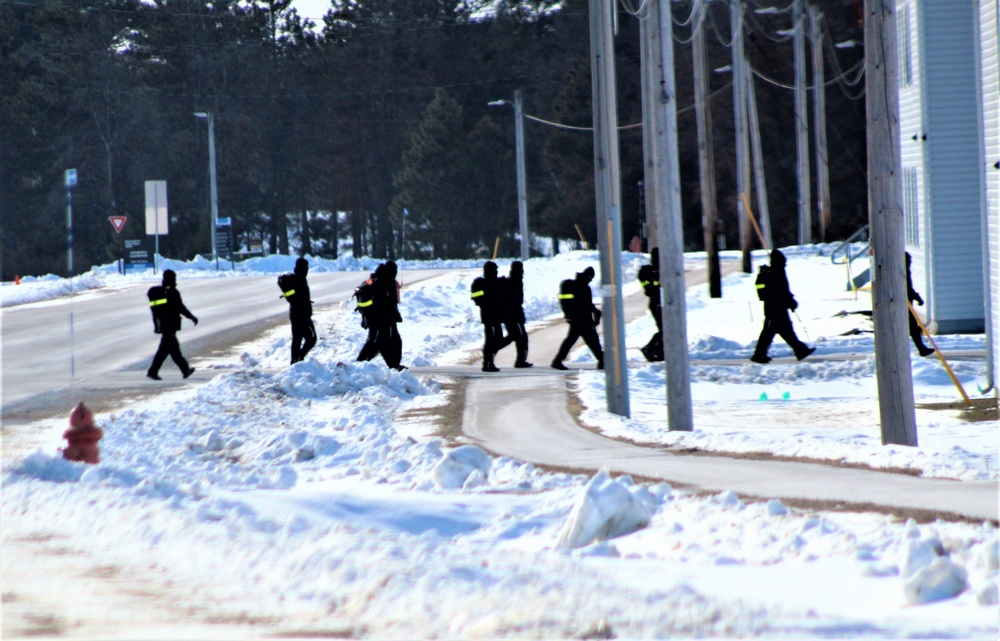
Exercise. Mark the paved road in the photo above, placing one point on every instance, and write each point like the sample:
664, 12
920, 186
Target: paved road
46, 365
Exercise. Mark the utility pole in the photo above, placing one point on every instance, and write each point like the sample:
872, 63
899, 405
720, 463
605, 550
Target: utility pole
647, 69
668, 215
801, 126
706, 156
522, 195
212, 180
607, 184
819, 120
522, 192
885, 210
763, 211
740, 113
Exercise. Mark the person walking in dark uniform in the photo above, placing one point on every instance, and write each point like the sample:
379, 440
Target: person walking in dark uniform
773, 290
300, 312
513, 313
167, 318
582, 315
488, 296
382, 317
911, 295
649, 279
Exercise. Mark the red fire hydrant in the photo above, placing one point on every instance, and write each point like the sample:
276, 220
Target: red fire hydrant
83, 436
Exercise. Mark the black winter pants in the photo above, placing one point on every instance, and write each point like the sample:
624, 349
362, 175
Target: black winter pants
517, 334
303, 338
493, 340
383, 339
169, 346
781, 325
589, 335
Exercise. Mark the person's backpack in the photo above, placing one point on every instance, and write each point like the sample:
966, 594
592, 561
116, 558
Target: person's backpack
365, 295
479, 291
567, 297
762, 281
649, 279
286, 283
157, 295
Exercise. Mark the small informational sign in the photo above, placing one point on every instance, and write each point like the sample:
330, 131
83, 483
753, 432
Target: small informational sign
70, 178
156, 208
118, 222
224, 241
138, 253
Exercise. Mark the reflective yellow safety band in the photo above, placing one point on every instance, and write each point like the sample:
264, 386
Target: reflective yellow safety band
643, 283
367, 303
159, 301
290, 292
759, 286
656, 283
478, 294
565, 296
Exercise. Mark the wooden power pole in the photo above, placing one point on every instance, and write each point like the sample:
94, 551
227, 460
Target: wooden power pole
819, 121
706, 155
668, 215
763, 211
802, 127
647, 69
740, 116
885, 211
607, 182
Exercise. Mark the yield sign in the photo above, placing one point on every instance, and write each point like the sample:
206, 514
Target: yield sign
118, 222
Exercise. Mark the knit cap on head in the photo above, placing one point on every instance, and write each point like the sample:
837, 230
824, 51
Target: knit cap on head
489, 267
169, 277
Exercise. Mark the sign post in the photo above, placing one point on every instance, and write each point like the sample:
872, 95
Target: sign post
224, 240
156, 213
70, 182
118, 223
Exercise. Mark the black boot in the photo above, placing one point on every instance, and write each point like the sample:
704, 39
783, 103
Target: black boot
490, 367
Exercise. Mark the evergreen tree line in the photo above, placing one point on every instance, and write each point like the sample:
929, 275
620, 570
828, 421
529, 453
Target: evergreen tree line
326, 135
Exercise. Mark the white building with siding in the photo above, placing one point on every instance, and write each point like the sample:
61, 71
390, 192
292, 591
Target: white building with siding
941, 147
989, 67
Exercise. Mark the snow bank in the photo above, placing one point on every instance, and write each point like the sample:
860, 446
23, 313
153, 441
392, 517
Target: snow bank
605, 509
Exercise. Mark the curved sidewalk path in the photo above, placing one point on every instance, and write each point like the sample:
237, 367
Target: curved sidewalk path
538, 429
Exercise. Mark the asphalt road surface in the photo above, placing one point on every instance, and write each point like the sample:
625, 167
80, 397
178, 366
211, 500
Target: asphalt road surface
102, 340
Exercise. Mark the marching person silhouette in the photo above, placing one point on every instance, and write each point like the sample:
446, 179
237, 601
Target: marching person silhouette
167, 306
300, 313
487, 295
582, 315
772, 288
512, 298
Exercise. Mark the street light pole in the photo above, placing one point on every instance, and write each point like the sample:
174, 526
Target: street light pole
522, 195
522, 192
211, 174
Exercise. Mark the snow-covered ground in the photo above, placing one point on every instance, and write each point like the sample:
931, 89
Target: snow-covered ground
320, 493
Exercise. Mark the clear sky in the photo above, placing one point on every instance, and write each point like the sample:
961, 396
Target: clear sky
312, 9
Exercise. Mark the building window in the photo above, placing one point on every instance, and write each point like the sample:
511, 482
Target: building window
910, 214
904, 40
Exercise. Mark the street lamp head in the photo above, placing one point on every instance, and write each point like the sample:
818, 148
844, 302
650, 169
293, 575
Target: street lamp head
847, 44
767, 11
725, 69
498, 103
200, 114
